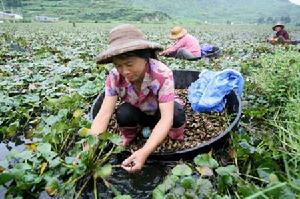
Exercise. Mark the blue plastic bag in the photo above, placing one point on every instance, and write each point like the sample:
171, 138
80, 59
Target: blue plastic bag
207, 49
207, 94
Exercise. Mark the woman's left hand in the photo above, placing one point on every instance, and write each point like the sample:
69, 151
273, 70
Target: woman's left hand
162, 53
135, 162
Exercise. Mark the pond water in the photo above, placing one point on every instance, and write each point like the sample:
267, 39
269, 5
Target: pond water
139, 185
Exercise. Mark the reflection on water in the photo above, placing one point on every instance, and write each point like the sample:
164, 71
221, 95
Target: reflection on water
5, 147
138, 185
17, 144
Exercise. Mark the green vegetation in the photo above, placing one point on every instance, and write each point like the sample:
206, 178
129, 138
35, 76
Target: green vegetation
49, 79
265, 151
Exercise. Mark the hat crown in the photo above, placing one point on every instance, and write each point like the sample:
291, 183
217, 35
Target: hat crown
176, 30
278, 24
125, 38
124, 33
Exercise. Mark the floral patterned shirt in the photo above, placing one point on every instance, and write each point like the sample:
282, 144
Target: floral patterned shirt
157, 87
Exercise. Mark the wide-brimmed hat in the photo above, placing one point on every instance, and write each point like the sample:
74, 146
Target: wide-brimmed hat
278, 25
125, 38
177, 32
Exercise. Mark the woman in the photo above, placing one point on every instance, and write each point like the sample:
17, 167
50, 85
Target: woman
281, 34
146, 88
185, 47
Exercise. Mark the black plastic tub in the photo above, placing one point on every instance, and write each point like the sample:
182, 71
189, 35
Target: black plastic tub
183, 78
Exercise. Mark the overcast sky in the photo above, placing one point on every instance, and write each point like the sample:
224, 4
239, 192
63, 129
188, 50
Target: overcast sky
295, 2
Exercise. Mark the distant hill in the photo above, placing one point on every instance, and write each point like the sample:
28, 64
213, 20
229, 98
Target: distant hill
221, 11
226, 10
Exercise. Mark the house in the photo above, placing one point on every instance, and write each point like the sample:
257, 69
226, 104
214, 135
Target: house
46, 19
10, 16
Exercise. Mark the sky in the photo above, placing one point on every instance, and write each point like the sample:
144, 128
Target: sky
295, 2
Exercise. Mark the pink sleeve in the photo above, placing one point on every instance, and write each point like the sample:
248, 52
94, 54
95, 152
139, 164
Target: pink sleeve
176, 46
167, 90
110, 85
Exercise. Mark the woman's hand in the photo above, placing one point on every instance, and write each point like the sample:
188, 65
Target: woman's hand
136, 161
162, 53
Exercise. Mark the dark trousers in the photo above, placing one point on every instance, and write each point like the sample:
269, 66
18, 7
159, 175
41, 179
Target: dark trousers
131, 116
182, 53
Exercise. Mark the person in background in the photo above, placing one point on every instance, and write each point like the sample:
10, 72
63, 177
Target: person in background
186, 46
281, 35
146, 89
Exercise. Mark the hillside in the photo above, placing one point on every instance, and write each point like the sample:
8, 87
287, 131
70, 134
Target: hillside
238, 11
223, 10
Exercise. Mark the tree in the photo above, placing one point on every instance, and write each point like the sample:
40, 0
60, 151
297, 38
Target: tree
261, 20
12, 3
270, 20
286, 19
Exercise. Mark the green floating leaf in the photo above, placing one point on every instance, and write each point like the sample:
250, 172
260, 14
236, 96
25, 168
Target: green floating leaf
178, 191
170, 196
190, 195
83, 132
118, 149
26, 155
244, 144
55, 162
11, 131
5, 177
103, 172
170, 182
246, 189
158, 192
226, 180
69, 160
123, 197
52, 187
188, 182
206, 160
203, 187
44, 147
182, 170
228, 170
116, 139
105, 136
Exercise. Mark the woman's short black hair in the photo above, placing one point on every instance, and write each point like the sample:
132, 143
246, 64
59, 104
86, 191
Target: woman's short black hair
144, 53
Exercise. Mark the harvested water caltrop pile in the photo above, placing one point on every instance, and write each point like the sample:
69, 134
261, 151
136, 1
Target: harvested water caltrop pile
200, 128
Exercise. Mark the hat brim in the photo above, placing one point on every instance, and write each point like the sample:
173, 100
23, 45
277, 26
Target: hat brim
106, 56
279, 25
179, 35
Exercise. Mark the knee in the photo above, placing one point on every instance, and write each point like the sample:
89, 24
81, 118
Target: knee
179, 117
180, 51
126, 115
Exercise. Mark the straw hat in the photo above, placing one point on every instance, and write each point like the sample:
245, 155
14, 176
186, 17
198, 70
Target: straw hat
278, 25
177, 32
125, 38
